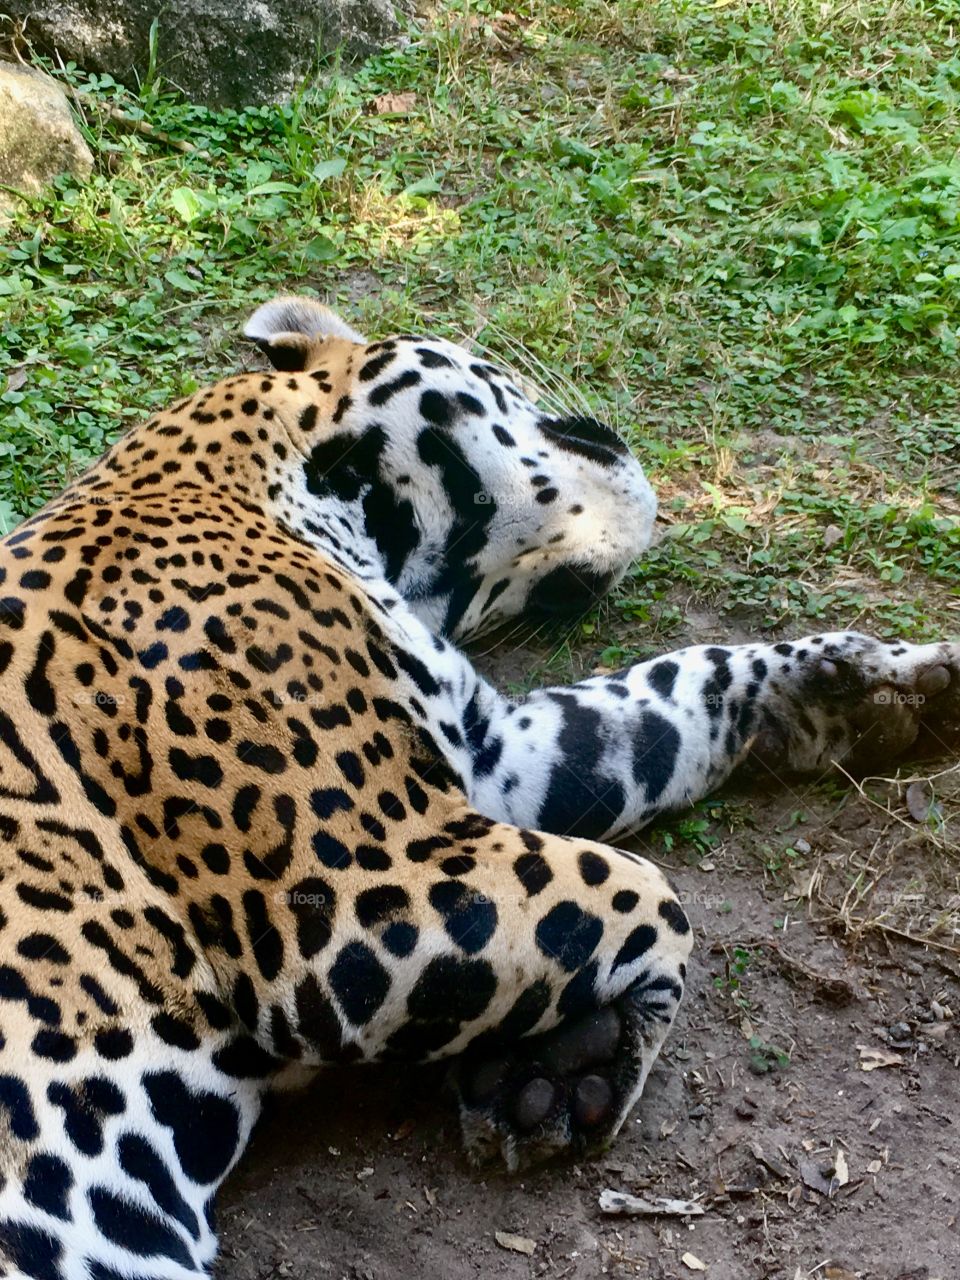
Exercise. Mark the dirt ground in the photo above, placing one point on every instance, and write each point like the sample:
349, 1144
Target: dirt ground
807, 1099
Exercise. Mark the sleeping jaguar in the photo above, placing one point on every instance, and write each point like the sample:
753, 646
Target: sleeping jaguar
259, 813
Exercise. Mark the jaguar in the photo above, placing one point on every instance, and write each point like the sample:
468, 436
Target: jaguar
259, 813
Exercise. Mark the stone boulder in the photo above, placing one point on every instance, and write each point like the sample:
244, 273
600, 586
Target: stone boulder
220, 53
38, 136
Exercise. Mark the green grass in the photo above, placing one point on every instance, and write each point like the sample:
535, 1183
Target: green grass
732, 228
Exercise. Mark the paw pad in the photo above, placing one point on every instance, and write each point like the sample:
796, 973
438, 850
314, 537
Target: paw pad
592, 1039
864, 707
564, 1090
933, 681
533, 1104
592, 1100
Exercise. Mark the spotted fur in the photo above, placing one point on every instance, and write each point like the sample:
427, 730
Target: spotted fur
258, 813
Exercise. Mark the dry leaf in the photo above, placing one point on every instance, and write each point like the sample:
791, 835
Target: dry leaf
16, 378
871, 1059
693, 1262
619, 1202
801, 886
519, 1244
841, 1173
813, 1177
921, 804
770, 1162
393, 104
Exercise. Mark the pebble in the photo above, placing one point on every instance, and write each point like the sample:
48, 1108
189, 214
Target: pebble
746, 1108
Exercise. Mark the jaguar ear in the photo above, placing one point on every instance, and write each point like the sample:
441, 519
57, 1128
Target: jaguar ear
287, 328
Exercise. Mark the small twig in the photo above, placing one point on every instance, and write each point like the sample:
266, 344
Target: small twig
119, 118
906, 937
132, 125
621, 1204
915, 777
833, 988
911, 826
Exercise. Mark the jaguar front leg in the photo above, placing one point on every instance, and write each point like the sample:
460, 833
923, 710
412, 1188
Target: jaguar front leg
604, 757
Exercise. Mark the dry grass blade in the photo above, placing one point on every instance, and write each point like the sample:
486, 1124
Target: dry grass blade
931, 830
895, 888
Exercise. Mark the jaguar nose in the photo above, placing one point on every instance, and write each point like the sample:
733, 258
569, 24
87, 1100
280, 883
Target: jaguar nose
569, 589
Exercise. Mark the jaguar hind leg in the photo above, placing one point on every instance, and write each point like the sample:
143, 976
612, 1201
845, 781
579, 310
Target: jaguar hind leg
555, 965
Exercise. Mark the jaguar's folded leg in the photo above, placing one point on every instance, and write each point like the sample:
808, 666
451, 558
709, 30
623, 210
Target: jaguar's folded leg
606, 756
555, 966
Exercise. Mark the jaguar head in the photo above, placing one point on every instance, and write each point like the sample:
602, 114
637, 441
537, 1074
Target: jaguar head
481, 506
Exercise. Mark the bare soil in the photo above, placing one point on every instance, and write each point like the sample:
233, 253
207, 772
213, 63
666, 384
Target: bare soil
827, 944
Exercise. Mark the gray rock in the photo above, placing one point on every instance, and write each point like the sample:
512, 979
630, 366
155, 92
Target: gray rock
38, 136
231, 53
